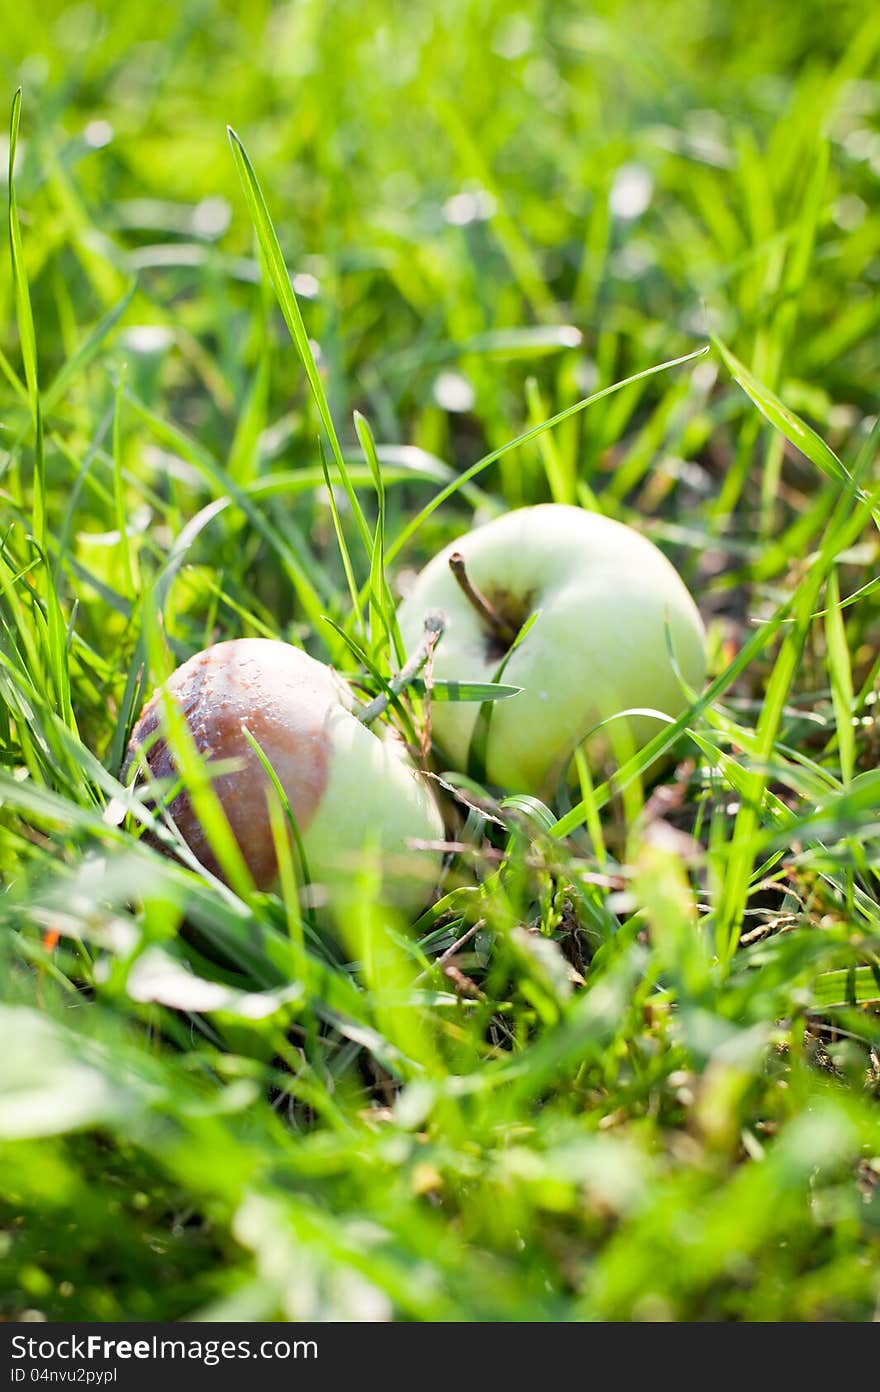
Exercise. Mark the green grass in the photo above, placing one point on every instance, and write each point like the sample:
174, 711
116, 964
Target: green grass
645, 1086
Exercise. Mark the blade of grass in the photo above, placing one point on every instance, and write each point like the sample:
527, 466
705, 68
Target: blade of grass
840, 672
287, 299
26, 334
532, 434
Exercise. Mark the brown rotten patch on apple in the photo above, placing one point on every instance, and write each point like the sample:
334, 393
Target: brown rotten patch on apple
502, 615
215, 724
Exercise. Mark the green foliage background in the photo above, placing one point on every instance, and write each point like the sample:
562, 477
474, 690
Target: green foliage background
645, 1087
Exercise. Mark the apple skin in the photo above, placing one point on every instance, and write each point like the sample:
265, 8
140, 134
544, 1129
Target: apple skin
604, 593
351, 792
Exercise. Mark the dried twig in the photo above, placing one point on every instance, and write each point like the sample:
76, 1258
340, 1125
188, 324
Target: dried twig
435, 624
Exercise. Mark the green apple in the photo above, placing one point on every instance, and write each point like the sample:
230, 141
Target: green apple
352, 792
605, 595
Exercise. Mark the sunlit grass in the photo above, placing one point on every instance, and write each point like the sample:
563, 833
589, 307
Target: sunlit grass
450, 263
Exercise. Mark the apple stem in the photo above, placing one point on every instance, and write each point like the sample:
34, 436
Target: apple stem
435, 624
498, 627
